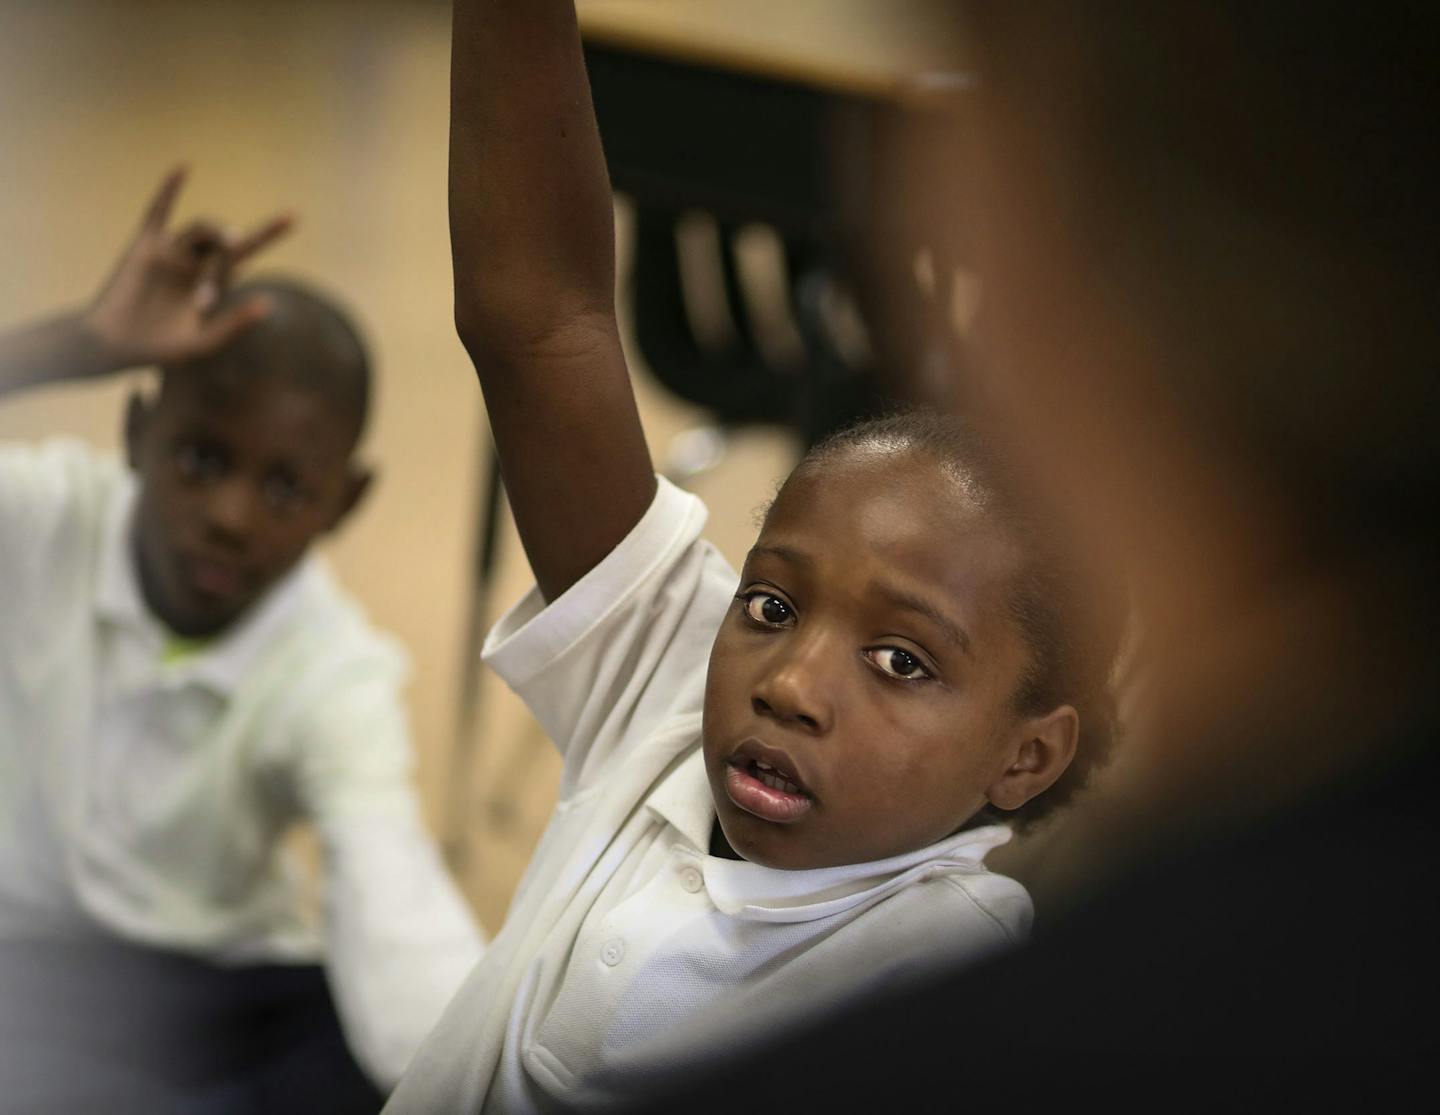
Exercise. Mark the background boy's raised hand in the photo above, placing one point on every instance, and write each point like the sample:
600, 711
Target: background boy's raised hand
156, 306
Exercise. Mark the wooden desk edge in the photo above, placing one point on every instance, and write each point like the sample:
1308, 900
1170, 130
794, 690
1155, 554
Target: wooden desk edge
926, 88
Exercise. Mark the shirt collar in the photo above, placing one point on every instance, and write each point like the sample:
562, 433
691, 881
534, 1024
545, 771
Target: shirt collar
683, 799
224, 662
748, 890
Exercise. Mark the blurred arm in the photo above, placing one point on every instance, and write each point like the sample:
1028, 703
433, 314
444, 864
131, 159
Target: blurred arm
51, 351
399, 937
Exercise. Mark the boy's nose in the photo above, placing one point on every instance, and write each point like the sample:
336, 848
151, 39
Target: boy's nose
230, 509
794, 688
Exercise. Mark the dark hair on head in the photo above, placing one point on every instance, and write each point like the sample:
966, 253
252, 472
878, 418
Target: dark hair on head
306, 340
1070, 623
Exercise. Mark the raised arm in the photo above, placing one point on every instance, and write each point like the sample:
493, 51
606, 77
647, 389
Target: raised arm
155, 308
533, 241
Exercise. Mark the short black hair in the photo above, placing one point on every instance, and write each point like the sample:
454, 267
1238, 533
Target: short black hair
1070, 618
306, 339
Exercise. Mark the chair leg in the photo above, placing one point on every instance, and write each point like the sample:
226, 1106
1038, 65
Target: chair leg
465, 744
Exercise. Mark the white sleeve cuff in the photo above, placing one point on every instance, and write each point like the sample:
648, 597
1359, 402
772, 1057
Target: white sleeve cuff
532, 635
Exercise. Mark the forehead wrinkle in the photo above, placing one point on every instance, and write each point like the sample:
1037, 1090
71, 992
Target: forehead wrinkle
912, 603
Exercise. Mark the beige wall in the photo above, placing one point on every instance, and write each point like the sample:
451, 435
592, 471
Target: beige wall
338, 111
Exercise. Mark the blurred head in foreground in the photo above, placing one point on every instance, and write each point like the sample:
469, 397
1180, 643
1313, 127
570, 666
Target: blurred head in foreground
1208, 243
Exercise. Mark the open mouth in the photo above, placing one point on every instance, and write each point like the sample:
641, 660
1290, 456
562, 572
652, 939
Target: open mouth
766, 790
772, 777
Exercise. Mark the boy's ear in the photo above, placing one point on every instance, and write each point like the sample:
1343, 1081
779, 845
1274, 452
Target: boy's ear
137, 417
357, 483
1043, 747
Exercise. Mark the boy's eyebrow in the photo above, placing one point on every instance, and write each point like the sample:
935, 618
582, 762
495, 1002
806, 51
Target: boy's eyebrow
902, 599
784, 553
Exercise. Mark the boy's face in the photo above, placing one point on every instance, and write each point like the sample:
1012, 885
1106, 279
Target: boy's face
869, 661
239, 474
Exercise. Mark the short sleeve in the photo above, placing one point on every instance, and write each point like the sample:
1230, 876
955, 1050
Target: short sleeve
624, 648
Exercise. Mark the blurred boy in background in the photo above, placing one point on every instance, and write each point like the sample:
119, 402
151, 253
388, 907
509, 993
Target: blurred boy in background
183, 681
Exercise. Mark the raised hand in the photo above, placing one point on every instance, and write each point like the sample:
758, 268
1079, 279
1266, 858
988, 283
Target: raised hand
532, 236
158, 305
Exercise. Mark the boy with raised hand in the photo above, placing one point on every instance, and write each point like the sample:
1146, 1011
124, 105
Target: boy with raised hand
181, 682
779, 784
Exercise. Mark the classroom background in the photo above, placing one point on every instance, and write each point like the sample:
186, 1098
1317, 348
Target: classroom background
337, 110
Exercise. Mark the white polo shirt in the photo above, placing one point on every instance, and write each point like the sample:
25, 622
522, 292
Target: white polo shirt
148, 799
628, 948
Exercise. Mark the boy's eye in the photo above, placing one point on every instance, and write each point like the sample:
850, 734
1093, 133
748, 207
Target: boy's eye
896, 663
767, 608
196, 462
282, 493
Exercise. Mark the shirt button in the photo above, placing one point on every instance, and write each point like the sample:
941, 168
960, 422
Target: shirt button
613, 952
691, 879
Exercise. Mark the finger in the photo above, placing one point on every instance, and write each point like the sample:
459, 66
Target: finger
207, 293
157, 213
211, 276
199, 251
199, 240
262, 236
225, 327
